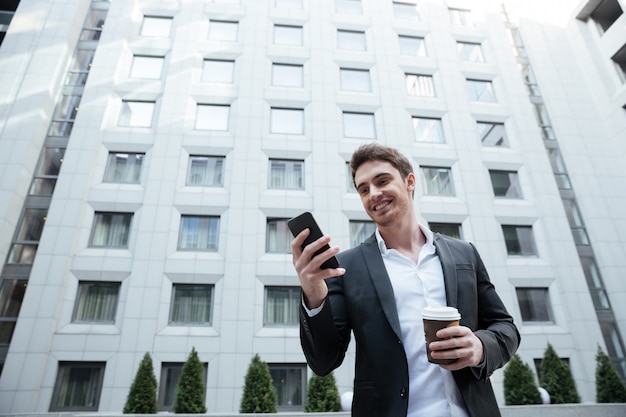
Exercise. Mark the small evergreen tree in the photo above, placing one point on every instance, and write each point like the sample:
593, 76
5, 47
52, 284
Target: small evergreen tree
556, 378
519, 383
323, 395
259, 395
609, 386
142, 397
191, 390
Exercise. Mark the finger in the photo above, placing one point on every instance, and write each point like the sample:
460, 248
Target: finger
296, 243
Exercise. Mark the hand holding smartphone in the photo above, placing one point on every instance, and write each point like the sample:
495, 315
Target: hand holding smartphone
306, 221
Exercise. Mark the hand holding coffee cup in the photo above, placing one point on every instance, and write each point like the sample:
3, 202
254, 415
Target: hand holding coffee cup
436, 318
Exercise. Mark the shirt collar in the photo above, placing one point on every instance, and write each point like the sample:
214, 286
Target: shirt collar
427, 233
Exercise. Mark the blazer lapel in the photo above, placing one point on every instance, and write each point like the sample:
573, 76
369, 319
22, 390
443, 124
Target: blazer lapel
381, 282
449, 269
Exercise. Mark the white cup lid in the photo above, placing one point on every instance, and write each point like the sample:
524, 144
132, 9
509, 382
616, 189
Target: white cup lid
440, 313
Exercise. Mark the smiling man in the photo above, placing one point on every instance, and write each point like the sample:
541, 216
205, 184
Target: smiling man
378, 294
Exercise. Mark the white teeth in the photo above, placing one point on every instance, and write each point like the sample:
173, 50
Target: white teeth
380, 206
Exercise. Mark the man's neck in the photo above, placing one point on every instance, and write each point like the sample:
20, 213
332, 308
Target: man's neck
407, 239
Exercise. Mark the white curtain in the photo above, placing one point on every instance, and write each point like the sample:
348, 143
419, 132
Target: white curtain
282, 306
97, 301
192, 304
111, 230
199, 232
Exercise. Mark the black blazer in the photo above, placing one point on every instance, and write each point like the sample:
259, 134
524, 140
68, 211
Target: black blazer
362, 302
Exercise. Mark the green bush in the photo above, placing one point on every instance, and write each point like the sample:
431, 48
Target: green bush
142, 397
519, 383
322, 395
556, 378
609, 386
191, 390
259, 395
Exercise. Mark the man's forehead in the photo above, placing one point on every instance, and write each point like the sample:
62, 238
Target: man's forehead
373, 169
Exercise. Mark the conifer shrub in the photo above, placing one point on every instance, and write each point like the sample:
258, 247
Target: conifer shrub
520, 387
259, 395
556, 378
322, 395
142, 396
610, 387
191, 389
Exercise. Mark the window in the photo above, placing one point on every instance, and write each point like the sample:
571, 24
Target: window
605, 14
156, 26
47, 171
480, 90
428, 130
492, 134
575, 222
437, 181
212, 117
222, 30
123, 167
64, 115
420, 85
349, 182
360, 231
136, 113
505, 184
469, 51
149, 67
534, 304
461, 17
287, 75
412, 46
348, 6
282, 306
278, 237
595, 284
288, 35
79, 67
287, 121
96, 302
355, 79
290, 384
11, 295
448, 229
619, 59
111, 230
218, 71
206, 171
92, 28
78, 386
359, 125
286, 174
519, 240
198, 233
26, 240
350, 40
170, 374
405, 11
191, 304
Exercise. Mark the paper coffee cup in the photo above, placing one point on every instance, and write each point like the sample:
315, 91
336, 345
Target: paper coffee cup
436, 318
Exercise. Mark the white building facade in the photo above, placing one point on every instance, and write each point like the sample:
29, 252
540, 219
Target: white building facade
152, 151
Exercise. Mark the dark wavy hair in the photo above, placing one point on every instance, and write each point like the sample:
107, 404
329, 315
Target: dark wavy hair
377, 152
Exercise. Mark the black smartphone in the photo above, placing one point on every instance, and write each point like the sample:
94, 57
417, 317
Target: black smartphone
306, 221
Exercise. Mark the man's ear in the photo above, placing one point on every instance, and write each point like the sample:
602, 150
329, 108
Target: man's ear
410, 181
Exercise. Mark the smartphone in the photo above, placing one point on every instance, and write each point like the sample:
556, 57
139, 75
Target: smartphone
306, 221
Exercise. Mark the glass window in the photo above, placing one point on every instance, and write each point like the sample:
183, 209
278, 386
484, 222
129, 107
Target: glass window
206, 171
11, 296
26, 240
149, 67
405, 11
355, 79
492, 134
619, 59
428, 130
156, 26
437, 181
348, 6
96, 302
282, 306
79, 67
420, 85
469, 51
222, 30
360, 231
519, 240
359, 125
124, 167
287, 75
351, 40
412, 46
349, 182
92, 28
78, 386
47, 171
576, 222
278, 237
594, 282
170, 374
448, 229
218, 71
111, 230
198, 233
287, 121
191, 304
212, 117
136, 113
505, 184
461, 17
290, 383
605, 14
480, 90
534, 304
286, 174
288, 35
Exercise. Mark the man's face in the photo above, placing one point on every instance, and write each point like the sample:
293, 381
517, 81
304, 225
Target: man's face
385, 195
